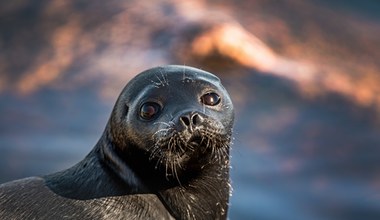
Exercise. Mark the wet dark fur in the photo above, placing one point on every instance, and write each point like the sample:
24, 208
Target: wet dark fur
142, 169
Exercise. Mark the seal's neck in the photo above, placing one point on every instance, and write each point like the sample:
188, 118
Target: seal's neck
111, 158
93, 177
201, 194
205, 197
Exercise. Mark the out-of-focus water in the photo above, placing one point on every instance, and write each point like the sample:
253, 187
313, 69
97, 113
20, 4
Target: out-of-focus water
295, 158
307, 132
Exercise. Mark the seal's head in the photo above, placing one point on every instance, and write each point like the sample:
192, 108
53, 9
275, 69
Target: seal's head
179, 118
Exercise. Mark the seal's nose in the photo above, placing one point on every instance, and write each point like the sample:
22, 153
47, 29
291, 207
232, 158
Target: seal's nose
191, 120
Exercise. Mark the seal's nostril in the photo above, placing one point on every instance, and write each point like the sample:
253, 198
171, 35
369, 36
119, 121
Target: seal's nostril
185, 120
191, 120
196, 119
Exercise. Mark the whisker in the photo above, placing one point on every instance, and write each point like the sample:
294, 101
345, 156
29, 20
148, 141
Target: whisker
161, 130
162, 122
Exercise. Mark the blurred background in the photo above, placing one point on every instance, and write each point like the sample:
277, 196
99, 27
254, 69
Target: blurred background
303, 75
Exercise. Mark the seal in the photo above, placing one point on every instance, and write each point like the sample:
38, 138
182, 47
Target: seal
164, 154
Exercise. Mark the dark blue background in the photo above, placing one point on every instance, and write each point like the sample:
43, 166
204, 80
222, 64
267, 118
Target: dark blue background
296, 154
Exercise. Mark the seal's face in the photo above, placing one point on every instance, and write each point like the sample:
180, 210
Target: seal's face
181, 116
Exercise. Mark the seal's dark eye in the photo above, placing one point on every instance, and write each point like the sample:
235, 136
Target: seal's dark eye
149, 110
210, 98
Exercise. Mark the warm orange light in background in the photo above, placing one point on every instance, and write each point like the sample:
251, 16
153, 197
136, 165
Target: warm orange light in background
49, 66
127, 35
233, 41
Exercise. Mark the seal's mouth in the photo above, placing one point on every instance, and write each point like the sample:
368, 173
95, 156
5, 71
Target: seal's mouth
169, 143
177, 152
195, 140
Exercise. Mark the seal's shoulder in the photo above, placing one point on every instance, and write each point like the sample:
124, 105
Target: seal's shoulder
30, 198
16, 196
20, 186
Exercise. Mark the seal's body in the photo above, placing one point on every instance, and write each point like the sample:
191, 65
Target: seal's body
163, 155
